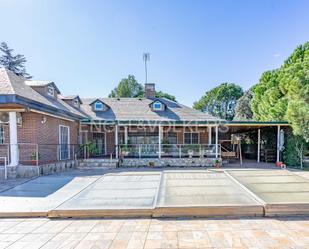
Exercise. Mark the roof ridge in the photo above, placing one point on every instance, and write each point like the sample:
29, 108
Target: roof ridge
9, 81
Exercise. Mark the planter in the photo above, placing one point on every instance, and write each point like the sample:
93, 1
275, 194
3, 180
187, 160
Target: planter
217, 165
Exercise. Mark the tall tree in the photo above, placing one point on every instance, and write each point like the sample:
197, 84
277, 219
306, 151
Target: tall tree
130, 88
269, 103
15, 63
283, 94
220, 101
161, 94
243, 109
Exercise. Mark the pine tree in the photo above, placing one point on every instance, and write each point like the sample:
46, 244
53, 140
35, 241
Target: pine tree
15, 63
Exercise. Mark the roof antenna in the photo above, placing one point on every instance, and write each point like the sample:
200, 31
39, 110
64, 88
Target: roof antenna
146, 57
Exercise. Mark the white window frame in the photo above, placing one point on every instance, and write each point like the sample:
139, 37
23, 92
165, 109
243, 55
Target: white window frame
51, 91
69, 137
155, 108
95, 106
196, 132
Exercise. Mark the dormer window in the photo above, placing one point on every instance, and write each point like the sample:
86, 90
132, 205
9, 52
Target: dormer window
51, 91
157, 106
76, 103
98, 106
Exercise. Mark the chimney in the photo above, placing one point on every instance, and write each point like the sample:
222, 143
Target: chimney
150, 90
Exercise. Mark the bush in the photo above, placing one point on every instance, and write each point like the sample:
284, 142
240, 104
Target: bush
296, 148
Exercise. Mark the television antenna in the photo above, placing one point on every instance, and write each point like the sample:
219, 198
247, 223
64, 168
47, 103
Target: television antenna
146, 57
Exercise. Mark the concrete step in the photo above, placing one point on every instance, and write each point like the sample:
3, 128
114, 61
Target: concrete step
96, 160
98, 163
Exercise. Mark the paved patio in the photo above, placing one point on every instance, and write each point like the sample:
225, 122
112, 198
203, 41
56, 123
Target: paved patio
155, 233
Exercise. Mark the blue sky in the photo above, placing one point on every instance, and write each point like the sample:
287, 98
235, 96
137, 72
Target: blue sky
86, 47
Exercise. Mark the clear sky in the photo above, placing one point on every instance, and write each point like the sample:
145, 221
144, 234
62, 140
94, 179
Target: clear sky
86, 47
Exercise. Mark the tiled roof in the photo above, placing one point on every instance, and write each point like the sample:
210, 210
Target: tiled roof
41, 83
120, 109
11, 84
137, 109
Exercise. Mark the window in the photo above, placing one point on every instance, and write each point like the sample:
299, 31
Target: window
191, 138
157, 106
172, 138
64, 141
1, 134
76, 103
98, 106
51, 91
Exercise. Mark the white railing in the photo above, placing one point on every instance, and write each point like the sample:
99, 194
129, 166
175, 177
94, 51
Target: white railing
168, 150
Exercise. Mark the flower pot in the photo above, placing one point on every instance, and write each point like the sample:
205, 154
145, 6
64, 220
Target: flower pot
217, 165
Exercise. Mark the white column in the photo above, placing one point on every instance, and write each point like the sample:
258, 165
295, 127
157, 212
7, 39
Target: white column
13, 139
160, 139
259, 146
278, 143
209, 135
116, 140
126, 134
217, 141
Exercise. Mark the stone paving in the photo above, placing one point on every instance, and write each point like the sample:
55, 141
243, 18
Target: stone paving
155, 233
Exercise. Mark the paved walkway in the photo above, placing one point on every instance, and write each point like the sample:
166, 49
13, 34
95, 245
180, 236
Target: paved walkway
155, 233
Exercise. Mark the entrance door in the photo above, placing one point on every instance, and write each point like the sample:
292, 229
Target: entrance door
99, 140
64, 141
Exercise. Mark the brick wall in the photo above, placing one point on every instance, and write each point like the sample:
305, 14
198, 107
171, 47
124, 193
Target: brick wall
46, 135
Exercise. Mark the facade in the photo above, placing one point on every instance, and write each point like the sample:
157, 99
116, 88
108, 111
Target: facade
38, 125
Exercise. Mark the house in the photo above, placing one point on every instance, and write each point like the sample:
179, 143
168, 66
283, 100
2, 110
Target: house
40, 126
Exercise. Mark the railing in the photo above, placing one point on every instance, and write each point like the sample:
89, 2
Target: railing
37, 154
167, 150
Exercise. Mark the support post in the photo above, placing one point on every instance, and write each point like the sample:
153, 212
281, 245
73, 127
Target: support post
217, 128
116, 140
209, 135
160, 139
259, 146
126, 134
13, 139
278, 143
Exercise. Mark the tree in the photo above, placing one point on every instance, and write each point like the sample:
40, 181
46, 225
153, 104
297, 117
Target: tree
243, 107
15, 63
161, 94
283, 94
268, 103
130, 88
220, 101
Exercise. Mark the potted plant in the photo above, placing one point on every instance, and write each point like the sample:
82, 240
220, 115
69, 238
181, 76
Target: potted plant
190, 149
34, 158
124, 150
217, 163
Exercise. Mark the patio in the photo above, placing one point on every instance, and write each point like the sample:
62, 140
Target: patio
155, 233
